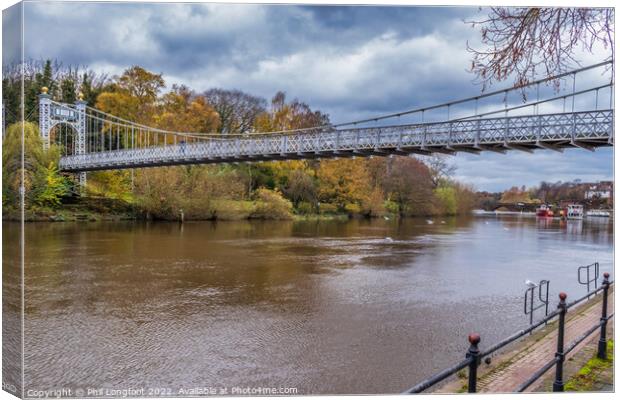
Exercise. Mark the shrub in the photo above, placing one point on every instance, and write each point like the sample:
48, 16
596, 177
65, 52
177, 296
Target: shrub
49, 186
232, 209
305, 208
327, 208
373, 205
391, 207
271, 205
352, 208
446, 201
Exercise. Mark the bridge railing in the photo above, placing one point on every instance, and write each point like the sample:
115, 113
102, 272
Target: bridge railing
474, 356
563, 127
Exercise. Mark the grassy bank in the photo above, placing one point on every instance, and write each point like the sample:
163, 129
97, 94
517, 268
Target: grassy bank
593, 373
104, 209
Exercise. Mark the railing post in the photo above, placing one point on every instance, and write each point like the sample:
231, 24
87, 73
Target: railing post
558, 384
602, 342
473, 355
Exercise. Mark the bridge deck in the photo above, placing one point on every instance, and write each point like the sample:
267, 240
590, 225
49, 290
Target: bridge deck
587, 129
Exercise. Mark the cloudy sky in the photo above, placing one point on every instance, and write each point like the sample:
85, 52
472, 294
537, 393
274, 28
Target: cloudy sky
350, 62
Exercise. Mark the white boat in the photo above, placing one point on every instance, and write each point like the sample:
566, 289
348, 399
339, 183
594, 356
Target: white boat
598, 213
574, 211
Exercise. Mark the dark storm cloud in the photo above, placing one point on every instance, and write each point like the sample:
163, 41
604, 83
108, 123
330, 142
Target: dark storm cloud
350, 62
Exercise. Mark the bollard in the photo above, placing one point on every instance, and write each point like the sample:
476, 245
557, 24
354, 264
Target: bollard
602, 342
558, 384
473, 355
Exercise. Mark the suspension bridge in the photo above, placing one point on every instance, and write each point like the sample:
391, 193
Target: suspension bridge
543, 116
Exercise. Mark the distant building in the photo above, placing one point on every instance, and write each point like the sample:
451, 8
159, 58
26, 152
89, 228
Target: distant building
601, 190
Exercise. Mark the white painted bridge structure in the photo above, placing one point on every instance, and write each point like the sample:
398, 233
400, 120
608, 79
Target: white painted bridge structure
543, 116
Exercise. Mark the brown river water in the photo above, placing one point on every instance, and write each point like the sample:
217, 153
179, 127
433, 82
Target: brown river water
323, 307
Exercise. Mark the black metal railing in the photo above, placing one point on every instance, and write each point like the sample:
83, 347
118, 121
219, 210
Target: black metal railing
591, 275
543, 299
474, 355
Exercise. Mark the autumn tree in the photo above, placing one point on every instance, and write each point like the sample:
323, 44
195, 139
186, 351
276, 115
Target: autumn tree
409, 185
516, 195
521, 41
285, 115
133, 95
345, 183
181, 110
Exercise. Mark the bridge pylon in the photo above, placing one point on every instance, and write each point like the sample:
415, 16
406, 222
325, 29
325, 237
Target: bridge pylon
50, 115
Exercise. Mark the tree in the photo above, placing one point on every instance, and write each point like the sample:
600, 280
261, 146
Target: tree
520, 41
237, 111
67, 90
181, 110
133, 95
42, 182
300, 187
343, 182
285, 115
516, 195
49, 187
409, 185
447, 202
440, 169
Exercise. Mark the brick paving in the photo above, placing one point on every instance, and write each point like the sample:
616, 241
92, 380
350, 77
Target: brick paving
520, 365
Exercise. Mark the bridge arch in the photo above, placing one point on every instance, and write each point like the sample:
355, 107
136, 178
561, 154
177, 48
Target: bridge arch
65, 136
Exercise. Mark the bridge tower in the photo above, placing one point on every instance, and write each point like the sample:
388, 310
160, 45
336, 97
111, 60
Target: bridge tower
52, 114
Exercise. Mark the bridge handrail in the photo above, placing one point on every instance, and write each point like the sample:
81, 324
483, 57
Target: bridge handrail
430, 133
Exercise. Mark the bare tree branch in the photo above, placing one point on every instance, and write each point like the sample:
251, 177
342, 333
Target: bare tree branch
522, 41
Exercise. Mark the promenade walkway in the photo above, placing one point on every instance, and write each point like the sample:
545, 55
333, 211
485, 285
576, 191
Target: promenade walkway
508, 371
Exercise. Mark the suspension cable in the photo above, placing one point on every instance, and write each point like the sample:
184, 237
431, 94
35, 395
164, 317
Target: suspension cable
197, 135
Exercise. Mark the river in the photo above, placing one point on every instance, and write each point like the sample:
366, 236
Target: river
324, 307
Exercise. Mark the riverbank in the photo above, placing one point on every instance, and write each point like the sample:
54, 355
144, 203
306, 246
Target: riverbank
116, 210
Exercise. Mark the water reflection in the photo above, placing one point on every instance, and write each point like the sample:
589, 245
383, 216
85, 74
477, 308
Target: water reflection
328, 307
11, 310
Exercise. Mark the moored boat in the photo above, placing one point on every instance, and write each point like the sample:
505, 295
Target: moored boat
598, 213
544, 211
574, 211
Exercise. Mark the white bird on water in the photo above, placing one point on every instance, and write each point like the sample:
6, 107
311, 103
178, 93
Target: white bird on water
429, 221
389, 239
529, 283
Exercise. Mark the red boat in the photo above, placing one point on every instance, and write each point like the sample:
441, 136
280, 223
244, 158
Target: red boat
544, 211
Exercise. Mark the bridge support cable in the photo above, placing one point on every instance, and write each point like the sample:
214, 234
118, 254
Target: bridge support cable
105, 141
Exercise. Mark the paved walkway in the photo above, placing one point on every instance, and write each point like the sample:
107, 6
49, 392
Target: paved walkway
508, 372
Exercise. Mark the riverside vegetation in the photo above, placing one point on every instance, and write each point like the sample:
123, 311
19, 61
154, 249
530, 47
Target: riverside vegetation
362, 187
